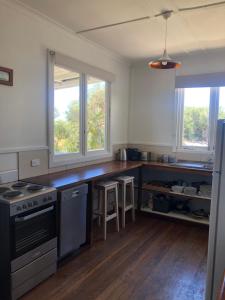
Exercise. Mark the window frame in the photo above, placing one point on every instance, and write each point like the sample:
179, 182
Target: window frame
84, 155
213, 116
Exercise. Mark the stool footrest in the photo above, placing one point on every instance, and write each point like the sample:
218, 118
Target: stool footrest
110, 217
128, 207
97, 213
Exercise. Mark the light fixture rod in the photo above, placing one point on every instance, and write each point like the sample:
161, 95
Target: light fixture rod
164, 14
114, 24
202, 6
166, 35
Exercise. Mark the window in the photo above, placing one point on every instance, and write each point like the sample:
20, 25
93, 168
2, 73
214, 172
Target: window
198, 110
79, 113
96, 107
66, 111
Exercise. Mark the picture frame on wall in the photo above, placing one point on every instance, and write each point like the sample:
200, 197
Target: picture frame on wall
6, 76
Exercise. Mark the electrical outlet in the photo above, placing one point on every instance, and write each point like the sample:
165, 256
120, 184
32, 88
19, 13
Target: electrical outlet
35, 162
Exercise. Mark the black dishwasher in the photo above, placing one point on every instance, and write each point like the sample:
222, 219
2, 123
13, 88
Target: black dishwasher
73, 216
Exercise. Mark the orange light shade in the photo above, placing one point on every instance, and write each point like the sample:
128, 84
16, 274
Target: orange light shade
158, 64
164, 62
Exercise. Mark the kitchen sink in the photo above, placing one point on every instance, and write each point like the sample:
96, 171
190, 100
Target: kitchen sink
195, 165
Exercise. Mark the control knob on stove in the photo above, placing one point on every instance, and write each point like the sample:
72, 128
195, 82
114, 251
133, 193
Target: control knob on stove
30, 204
35, 203
18, 208
24, 206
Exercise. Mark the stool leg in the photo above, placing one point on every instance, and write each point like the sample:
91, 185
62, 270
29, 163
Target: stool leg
99, 206
117, 210
105, 213
123, 205
132, 200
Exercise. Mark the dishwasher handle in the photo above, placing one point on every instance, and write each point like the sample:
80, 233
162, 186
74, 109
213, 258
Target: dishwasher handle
75, 194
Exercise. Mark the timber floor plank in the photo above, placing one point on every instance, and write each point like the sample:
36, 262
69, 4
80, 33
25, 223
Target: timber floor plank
152, 259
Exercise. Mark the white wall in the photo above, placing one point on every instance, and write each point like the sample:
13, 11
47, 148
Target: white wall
152, 96
25, 38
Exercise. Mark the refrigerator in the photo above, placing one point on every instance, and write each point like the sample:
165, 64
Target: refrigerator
216, 247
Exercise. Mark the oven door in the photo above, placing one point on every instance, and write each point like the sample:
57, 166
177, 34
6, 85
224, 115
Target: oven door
33, 228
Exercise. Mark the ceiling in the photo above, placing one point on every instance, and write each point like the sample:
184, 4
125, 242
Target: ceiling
187, 31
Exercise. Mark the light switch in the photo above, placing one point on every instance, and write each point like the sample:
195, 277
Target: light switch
35, 162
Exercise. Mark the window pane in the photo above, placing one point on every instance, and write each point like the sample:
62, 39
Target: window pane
196, 117
221, 113
66, 111
96, 96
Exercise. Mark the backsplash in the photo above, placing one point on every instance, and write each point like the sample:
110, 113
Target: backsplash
8, 161
169, 150
35, 162
41, 156
8, 167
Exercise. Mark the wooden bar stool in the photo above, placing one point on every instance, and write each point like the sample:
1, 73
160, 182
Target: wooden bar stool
104, 188
127, 182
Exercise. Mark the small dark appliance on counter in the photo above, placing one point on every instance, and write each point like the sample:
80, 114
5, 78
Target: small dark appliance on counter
133, 154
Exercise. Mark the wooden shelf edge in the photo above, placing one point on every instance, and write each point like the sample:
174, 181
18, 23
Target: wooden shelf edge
176, 216
151, 188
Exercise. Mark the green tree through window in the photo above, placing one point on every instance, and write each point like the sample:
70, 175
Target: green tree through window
67, 129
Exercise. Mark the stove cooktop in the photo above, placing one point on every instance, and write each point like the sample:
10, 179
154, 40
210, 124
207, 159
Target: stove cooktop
17, 191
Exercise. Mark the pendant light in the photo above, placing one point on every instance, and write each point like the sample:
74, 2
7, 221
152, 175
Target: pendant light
165, 62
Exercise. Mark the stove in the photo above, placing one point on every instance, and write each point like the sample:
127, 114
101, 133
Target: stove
28, 229
23, 196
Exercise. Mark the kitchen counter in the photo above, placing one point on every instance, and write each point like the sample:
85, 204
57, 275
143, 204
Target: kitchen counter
71, 177
68, 178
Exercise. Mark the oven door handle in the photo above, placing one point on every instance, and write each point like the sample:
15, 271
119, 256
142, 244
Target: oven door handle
31, 216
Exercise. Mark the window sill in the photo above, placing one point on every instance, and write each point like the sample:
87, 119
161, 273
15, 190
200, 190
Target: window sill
79, 159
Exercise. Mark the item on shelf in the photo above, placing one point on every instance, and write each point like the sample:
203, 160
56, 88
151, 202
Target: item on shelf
205, 190
190, 190
172, 159
161, 203
150, 202
165, 158
181, 206
145, 155
200, 214
157, 183
133, 154
177, 188
154, 156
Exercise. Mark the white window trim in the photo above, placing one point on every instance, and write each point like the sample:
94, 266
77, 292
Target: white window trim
178, 124
83, 155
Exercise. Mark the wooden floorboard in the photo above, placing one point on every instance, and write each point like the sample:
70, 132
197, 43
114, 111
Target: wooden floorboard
153, 259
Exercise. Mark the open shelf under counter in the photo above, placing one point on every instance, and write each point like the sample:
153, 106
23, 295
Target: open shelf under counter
178, 216
167, 191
